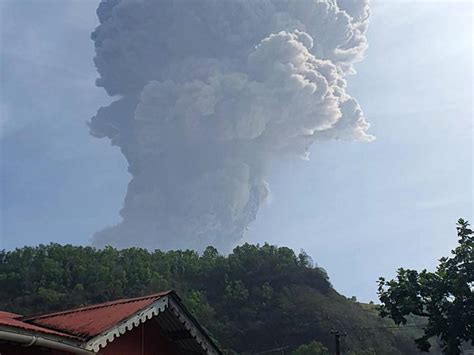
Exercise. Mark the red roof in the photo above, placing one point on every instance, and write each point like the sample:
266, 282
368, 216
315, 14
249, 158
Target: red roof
13, 320
87, 322
4, 314
98, 323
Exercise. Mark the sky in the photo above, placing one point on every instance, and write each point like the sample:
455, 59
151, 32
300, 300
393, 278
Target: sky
360, 210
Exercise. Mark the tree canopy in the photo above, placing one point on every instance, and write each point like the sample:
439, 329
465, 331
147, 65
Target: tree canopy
258, 297
313, 348
445, 298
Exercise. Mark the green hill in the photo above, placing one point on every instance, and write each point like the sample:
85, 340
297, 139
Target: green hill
255, 299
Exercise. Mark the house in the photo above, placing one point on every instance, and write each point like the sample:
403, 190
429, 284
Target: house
154, 324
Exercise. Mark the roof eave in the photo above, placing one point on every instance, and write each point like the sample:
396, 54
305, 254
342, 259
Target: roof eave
27, 338
107, 336
171, 301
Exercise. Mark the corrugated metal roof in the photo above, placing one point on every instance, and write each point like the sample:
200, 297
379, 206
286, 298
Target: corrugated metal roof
4, 314
11, 320
87, 322
100, 320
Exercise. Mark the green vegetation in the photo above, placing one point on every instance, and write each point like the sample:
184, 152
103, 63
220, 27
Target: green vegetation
444, 298
255, 299
313, 348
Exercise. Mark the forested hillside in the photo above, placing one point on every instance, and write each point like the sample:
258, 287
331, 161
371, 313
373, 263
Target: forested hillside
255, 299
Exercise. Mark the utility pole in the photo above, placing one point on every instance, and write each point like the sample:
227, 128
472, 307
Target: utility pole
337, 337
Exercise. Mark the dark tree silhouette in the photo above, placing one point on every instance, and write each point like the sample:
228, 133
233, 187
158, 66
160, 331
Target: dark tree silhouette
444, 297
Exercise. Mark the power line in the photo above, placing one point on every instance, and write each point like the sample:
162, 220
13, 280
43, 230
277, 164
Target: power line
281, 348
339, 334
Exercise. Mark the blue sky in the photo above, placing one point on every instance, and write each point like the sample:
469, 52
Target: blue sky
359, 209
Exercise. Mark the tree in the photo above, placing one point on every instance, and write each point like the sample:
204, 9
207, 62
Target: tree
444, 297
258, 297
313, 348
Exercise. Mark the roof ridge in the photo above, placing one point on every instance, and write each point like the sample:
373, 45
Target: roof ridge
95, 306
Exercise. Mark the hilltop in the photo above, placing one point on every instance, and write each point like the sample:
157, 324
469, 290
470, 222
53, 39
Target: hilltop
258, 298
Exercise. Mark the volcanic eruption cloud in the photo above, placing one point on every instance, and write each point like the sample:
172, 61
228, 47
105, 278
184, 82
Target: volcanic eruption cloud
208, 93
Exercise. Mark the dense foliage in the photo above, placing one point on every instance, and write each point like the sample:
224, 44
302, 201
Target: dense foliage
444, 297
255, 299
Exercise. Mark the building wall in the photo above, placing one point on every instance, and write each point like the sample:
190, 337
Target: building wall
143, 340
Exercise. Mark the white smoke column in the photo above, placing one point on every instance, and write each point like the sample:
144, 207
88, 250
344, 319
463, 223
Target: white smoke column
208, 93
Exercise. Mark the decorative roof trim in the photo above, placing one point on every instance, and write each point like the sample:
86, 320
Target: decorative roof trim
101, 340
195, 332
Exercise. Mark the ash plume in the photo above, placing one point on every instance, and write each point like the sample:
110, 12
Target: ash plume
208, 93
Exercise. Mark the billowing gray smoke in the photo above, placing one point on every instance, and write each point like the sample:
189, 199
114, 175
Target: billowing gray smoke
208, 92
